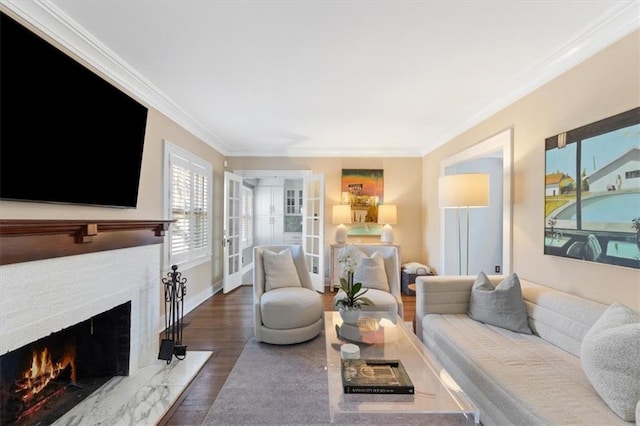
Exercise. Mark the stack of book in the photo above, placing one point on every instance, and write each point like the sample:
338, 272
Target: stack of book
375, 376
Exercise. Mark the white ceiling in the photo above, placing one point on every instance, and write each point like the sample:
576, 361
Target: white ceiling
331, 78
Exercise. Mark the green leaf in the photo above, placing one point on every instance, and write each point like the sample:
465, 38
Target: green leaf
366, 301
363, 292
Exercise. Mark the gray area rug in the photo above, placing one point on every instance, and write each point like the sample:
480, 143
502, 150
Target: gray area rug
274, 384
287, 385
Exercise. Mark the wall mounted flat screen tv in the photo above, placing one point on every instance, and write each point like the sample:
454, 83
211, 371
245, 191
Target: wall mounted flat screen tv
67, 135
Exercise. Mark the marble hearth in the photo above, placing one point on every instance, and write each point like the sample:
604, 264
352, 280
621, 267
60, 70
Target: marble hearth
41, 296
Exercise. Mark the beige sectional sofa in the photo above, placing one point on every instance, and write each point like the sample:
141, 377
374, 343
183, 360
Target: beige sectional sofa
514, 378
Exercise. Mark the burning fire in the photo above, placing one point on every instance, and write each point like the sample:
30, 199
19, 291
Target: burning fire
42, 371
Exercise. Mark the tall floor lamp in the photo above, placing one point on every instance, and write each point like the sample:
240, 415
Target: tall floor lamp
466, 190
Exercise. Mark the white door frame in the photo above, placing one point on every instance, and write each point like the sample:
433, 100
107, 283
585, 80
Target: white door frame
499, 143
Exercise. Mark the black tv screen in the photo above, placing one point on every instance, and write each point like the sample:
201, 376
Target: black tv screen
67, 135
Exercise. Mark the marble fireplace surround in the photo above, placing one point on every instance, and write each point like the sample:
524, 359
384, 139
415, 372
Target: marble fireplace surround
55, 274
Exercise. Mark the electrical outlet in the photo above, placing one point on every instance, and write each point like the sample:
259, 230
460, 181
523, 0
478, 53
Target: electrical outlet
497, 269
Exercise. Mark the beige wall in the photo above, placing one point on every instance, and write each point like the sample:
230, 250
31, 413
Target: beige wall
604, 85
402, 186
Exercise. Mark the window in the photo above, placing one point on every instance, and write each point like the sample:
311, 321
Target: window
188, 181
246, 237
632, 174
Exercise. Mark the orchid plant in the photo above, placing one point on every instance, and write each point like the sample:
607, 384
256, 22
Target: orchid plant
349, 259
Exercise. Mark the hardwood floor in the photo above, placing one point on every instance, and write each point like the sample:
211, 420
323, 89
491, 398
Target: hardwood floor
223, 324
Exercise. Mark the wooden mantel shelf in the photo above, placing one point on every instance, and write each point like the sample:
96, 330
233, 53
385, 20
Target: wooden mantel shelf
28, 240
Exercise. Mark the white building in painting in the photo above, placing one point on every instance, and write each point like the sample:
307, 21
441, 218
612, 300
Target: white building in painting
623, 173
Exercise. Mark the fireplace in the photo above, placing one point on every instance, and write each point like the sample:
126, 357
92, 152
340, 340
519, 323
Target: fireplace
56, 275
44, 379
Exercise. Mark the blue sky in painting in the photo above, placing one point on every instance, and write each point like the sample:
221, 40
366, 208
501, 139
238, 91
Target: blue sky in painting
597, 152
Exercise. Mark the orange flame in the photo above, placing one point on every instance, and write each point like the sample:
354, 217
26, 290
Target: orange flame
43, 370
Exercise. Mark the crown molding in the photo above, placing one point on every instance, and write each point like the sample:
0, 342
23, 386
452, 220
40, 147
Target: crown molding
610, 28
57, 25
329, 152
50, 20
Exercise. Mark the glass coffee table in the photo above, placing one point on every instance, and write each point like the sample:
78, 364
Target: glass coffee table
383, 335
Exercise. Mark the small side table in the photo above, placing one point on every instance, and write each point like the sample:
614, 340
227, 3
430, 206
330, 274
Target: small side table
407, 279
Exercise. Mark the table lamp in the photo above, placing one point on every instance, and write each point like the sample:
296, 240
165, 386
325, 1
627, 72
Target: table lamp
387, 215
341, 215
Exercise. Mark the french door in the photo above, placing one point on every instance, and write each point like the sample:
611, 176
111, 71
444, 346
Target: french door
313, 227
232, 271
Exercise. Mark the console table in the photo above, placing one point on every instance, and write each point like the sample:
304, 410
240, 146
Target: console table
334, 266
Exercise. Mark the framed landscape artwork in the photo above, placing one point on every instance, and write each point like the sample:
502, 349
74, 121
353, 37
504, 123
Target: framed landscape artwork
363, 190
592, 192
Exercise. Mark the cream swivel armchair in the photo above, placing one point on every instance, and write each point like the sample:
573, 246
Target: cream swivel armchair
381, 277
286, 308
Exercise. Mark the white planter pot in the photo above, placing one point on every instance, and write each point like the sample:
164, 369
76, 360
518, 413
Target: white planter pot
350, 316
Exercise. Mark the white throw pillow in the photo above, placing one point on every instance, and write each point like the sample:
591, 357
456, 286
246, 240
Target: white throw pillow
415, 267
501, 306
610, 357
371, 272
279, 270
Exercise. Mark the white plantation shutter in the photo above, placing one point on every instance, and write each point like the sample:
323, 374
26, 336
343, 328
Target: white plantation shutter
180, 202
200, 211
189, 205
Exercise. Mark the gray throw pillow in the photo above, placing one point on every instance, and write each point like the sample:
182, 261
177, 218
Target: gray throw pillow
279, 270
501, 306
371, 272
610, 357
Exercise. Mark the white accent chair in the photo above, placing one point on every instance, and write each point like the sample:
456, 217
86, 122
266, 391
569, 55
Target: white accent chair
287, 315
390, 301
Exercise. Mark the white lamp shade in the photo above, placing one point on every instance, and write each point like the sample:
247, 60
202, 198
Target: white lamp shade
387, 214
464, 190
341, 214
